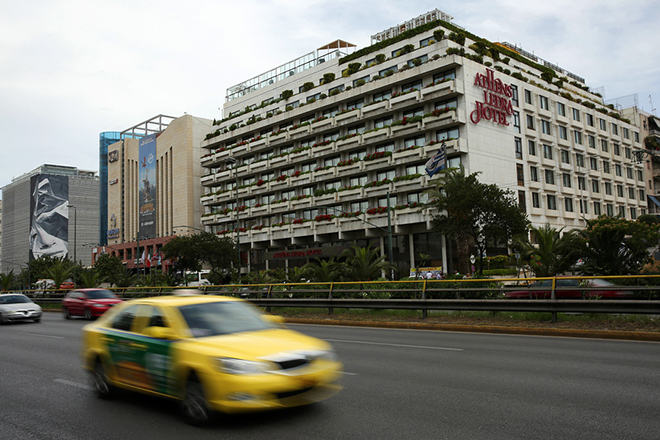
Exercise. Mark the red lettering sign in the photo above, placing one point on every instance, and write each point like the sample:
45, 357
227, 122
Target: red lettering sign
496, 105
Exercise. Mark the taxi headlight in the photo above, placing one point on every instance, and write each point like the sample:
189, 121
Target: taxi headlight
329, 356
240, 366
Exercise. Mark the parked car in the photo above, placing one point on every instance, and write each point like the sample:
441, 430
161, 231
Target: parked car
18, 307
68, 285
571, 289
90, 303
211, 353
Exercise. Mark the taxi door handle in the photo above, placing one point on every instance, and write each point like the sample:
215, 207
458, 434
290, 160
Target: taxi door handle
138, 346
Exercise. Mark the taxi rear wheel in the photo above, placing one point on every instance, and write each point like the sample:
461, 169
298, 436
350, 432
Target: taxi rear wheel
194, 408
101, 384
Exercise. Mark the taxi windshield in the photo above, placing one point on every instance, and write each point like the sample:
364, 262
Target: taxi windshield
222, 318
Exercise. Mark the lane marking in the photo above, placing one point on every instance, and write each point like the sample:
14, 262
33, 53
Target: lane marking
43, 336
349, 374
75, 384
395, 345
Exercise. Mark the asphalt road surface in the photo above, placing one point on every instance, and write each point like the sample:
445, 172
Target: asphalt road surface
398, 384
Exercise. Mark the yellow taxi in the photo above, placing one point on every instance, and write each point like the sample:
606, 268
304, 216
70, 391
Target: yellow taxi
212, 353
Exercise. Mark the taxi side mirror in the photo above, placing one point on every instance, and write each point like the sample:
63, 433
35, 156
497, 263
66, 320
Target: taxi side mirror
274, 319
159, 332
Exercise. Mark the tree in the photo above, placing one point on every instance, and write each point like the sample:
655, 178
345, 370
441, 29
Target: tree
471, 211
551, 253
364, 264
192, 251
106, 266
60, 271
7, 280
616, 246
323, 271
89, 278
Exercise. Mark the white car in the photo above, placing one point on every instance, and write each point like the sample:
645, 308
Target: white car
18, 307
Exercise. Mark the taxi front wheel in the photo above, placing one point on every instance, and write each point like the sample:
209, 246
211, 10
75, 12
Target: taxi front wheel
103, 388
194, 408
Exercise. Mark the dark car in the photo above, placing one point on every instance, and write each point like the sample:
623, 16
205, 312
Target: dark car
90, 303
18, 307
571, 289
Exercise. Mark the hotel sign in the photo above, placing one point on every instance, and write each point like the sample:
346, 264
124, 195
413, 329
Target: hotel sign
113, 156
301, 254
496, 105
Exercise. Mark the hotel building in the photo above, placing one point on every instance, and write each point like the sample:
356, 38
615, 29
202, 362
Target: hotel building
310, 154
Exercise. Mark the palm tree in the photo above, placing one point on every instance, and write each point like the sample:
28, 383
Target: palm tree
323, 271
89, 278
59, 272
552, 253
7, 280
364, 264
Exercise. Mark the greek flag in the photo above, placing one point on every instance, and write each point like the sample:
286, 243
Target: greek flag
437, 162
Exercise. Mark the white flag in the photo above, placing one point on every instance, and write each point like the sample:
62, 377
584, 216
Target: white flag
437, 162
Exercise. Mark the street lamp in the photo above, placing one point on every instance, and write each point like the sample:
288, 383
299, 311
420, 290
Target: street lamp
234, 162
75, 230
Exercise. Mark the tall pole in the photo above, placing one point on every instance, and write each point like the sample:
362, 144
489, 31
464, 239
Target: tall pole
234, 163
389, 236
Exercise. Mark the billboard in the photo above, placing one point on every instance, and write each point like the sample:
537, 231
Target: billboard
147, 187
49, 216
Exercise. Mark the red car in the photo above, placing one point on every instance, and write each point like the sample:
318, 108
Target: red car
68, 285
571, 289
90, 303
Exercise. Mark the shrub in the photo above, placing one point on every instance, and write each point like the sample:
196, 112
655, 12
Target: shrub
286, 94
307, 86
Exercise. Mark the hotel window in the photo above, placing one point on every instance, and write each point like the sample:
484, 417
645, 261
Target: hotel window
516, 122
424, 42
604, 146
561, 109
445, 76
563, 133
534, 174
382, 175
358, 103
418, 141
380, 123
547, 152
536, 200
330, 112
514, 96
546, 127
359, 180
603, 124
608, 188
552, 203
549, 177
565, 156
359, 154
414, 112
631, 193
530, 122
443, 135
249, 180
384, 95
568, 204
331, 136
577, 137
622, 211
566, 180
629, 172
331, 161
591, 141
615, 129
628, 153
606, 167
521, 201
338, 89
609, 210
543, 102
411, 85
452, 103
307, 191
576, 114
579, 160
595, 186
385, 147
310, 214
593, 163
626, 133
520, 175
518, 145
335, 184
386, 72
616, 149
356, 129
415, 169
288, 194
582, 183
584, 207
640, 175
531, 147
636, 137
360, 206
619, 190
597, 208
422, 59
267, 176
642, 196
618, 170
529, 98
633, 213
590, 119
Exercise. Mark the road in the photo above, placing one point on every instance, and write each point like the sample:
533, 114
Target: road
399, 384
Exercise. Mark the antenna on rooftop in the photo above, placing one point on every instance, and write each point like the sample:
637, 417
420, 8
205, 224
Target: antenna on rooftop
651, 102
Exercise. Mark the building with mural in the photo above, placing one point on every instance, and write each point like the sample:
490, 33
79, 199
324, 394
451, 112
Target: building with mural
153, 187
310, 154
50, 211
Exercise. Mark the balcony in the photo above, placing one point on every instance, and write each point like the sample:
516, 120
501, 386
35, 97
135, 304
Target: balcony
410, 185
350, 142
322, 150
259, 235
257, 211
349, 116
302, 229
376, 136
442, 120
400, 101
407, 155
299, 132
382, 105
279, 161
322, 125
257, 166
280, 232
325, 174
327, 227
378, 191
301, 203
350, 194
439, 90
280, 207
404, 130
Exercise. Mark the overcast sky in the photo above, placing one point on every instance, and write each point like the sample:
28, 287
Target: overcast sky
71, 69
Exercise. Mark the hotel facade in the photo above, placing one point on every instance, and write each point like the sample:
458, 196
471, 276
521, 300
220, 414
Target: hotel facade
311, 154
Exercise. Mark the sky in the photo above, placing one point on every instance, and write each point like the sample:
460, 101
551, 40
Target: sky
71, 69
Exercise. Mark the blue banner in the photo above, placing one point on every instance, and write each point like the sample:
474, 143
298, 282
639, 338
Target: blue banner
147, 187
